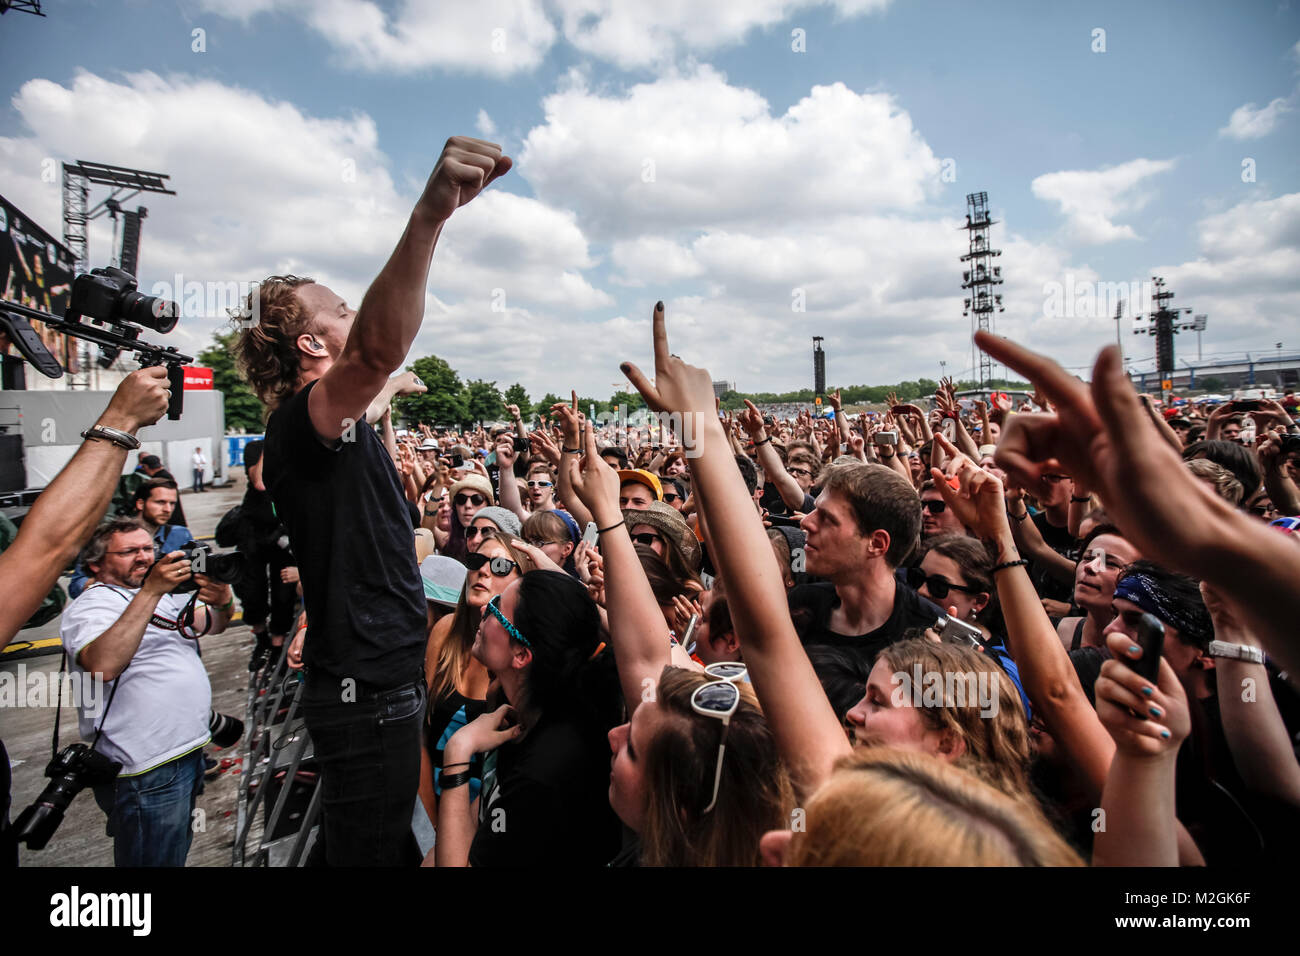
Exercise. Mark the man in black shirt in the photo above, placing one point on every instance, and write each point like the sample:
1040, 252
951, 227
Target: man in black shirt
319, 365
864, 525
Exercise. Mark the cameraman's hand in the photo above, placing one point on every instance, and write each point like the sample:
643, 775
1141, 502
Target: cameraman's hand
167, 574
213, 593
141, 399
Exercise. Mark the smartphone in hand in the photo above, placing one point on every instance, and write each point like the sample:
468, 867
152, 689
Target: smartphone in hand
1151, 638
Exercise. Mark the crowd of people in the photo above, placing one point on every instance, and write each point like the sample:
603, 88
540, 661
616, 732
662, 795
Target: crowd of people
1050, 635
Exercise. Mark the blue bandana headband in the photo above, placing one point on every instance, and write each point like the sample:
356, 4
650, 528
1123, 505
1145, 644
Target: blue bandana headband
1192, 623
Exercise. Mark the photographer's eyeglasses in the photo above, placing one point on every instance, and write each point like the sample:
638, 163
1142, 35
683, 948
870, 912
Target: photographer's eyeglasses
719, 699
476, 500
936, 584
501, 567
143, 549
496, 612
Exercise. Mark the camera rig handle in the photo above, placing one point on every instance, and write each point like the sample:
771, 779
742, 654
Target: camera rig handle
113, 339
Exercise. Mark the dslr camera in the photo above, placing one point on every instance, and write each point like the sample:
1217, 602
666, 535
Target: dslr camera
73, 769
224, 568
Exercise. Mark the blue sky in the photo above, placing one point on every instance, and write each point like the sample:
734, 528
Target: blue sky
773, 170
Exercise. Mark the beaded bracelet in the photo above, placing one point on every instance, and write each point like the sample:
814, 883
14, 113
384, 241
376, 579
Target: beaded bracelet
1018, 563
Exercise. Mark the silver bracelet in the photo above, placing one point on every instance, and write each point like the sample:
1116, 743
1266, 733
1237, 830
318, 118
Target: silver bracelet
115, 435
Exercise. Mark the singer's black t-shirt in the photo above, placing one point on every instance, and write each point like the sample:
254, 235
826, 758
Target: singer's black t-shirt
351, 531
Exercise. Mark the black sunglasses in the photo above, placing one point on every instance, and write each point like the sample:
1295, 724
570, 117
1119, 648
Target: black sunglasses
476, 500
473, 531
501, 567
646, 539
936, 584
670, 497
935, 506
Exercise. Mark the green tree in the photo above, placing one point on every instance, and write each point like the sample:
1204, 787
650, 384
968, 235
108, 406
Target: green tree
243, 408
515, 395
543, 406
483, 401
445, 403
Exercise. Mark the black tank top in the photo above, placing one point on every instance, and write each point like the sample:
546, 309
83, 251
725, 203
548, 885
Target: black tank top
444, 716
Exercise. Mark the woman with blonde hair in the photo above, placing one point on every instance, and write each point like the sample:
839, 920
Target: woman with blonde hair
884, 807
458, 683
951, 702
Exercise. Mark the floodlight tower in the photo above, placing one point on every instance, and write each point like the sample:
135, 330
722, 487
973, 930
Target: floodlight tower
1164, 325
819, 368
981, 277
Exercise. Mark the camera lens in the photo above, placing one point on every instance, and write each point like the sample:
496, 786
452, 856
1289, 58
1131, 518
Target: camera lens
151, 311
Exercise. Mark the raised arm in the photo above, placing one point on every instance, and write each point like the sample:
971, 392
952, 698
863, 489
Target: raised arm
507, 487
1257, 737
752, 421
64, 516
1138, 799
392, 310
571, 445
807, 732
1046, 674
1099, 433
642, 647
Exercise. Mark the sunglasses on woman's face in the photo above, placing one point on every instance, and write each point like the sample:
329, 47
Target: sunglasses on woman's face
476, 500
936, 584
501, 567
542, 542
473, 531
648, 540
670, 497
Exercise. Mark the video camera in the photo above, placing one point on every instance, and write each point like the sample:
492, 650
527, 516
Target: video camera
106, 309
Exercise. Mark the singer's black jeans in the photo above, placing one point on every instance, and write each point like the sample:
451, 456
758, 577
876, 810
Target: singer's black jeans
367, 744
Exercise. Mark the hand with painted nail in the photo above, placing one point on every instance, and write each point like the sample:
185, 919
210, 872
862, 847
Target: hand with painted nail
1122, 692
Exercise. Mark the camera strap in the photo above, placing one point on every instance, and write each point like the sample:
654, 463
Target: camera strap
63, 666
58, 708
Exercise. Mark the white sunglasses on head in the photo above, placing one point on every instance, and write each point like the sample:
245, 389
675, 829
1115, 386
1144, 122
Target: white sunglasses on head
719, 698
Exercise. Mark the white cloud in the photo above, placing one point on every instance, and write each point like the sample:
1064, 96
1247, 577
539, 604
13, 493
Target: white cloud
263, 187
1248, 122
634, 35
1091, 199
426, 33
483, 123
691, 150
496, 37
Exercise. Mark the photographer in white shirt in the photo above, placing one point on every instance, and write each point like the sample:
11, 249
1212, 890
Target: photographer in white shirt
129, 627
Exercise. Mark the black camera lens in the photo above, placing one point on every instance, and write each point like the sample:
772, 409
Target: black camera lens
150, 311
